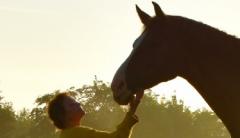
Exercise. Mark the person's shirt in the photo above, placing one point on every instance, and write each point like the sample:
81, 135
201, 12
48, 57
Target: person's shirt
123, 130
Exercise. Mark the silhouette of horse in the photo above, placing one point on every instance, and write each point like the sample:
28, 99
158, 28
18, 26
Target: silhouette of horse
172, 46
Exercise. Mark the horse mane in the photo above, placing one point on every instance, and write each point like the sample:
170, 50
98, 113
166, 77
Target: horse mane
201, 30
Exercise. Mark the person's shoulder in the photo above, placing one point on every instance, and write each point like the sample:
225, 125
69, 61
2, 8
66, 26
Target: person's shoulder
76, 132
86, 128
84, 132
79, 129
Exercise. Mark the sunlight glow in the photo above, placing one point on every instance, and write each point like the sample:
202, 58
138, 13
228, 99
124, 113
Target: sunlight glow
47, 45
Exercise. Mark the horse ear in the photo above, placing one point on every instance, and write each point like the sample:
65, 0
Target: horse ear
158, 10
145, 18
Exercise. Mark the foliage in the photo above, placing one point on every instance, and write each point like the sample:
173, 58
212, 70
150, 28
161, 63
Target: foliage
7, 119
159, 117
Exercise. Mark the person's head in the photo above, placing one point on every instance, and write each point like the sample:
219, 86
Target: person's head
64, 111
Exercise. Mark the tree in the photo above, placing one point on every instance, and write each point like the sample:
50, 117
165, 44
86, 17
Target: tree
35, 123
206, 123
23, 124
159, 117
7, 119
167, 118
97, 101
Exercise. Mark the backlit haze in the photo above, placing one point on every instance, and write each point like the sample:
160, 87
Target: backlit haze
47, 45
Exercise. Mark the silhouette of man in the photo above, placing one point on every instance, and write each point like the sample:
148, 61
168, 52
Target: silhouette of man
66, 115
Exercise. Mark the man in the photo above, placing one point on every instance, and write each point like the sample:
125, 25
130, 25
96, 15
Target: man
66, 114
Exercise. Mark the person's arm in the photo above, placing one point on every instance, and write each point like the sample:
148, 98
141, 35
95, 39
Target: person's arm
124, 129
85, 132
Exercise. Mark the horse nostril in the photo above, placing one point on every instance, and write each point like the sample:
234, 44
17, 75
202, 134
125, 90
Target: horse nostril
120, 85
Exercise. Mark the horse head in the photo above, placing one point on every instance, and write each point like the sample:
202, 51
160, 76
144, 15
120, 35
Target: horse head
153, 58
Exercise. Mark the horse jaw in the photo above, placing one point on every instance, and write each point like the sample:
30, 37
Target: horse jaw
124, 97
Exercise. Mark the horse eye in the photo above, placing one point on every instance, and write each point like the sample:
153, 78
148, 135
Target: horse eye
133, 46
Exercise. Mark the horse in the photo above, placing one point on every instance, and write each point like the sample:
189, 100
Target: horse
172, 46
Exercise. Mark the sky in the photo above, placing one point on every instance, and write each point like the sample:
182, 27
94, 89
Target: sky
56, 44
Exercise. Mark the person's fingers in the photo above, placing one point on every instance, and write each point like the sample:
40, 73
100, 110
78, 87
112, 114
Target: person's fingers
131, 103
135, 100
136, 117
139, 95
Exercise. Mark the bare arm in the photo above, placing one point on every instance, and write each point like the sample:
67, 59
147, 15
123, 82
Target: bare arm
124, 128
135, 102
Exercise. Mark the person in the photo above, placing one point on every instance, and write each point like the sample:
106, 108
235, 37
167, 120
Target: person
66, 115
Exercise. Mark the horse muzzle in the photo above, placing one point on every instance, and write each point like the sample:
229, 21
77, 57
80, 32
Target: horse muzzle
124, 98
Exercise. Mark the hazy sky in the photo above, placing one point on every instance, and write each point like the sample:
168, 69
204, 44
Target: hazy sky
55, 44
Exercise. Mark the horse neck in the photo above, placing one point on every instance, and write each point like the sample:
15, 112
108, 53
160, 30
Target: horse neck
211, 56
212, 67
208, 52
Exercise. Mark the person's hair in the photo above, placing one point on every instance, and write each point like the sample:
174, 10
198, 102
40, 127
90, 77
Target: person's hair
56, 110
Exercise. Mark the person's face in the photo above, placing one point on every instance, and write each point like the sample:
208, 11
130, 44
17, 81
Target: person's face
73, 110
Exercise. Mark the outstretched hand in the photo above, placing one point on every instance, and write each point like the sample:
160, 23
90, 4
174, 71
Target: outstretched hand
135, 102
